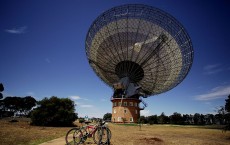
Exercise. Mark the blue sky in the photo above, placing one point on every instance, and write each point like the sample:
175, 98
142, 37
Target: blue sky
42, 54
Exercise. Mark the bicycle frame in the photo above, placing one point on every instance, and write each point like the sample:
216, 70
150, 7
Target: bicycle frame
91, 129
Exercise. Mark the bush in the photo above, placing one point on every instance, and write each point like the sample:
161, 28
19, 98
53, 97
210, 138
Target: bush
54, 112
81, 120
107, 117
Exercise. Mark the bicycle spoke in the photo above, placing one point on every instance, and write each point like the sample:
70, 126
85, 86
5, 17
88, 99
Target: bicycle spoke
74, 137
102, 135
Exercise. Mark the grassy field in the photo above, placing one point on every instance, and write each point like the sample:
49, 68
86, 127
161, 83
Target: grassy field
168, 135
21, 133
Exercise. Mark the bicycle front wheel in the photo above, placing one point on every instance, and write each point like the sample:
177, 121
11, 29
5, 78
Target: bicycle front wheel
102, 135
74, 136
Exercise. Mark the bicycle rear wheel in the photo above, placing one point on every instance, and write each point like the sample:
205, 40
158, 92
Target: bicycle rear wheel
74, 136
102, 135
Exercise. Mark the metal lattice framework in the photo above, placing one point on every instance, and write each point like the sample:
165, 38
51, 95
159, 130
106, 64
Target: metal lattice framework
141, 42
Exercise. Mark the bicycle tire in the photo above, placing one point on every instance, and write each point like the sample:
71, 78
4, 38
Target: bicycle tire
74, 137
106, 133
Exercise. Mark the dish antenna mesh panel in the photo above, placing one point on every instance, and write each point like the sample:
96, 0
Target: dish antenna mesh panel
140, 42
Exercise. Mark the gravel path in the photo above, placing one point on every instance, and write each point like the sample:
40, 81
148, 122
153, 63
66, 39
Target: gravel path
58, 141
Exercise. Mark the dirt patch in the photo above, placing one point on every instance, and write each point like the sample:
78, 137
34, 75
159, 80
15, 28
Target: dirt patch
149, 141
155, 139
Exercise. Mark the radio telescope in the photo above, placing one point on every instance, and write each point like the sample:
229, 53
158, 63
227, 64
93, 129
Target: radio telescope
139, 51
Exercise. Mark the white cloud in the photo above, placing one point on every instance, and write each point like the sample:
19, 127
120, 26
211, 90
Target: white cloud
86, 106
145, 112
212, 69
78, 98
75, 97
19, 30
215, 93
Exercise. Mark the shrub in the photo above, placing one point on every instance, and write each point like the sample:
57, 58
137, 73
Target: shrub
81, 120
54, 112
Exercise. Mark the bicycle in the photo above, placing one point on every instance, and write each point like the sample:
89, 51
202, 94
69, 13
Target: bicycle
100, 133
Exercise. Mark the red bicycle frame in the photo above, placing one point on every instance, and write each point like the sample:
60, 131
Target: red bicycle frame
91, 129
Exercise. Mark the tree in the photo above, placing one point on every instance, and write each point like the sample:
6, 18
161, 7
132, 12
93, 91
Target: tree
28, 103
227, 116
107, 116
227, 104
54, 112
143, 120
176, 118
1, 89
81, 120
163, 119
209, 119
152, 119
186, 119
202, 119
220, 117
13, 104
20, 105
196, 118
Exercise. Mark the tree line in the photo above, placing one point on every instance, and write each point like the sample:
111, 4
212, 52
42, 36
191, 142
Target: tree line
221, 118
186, 119
51, 111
